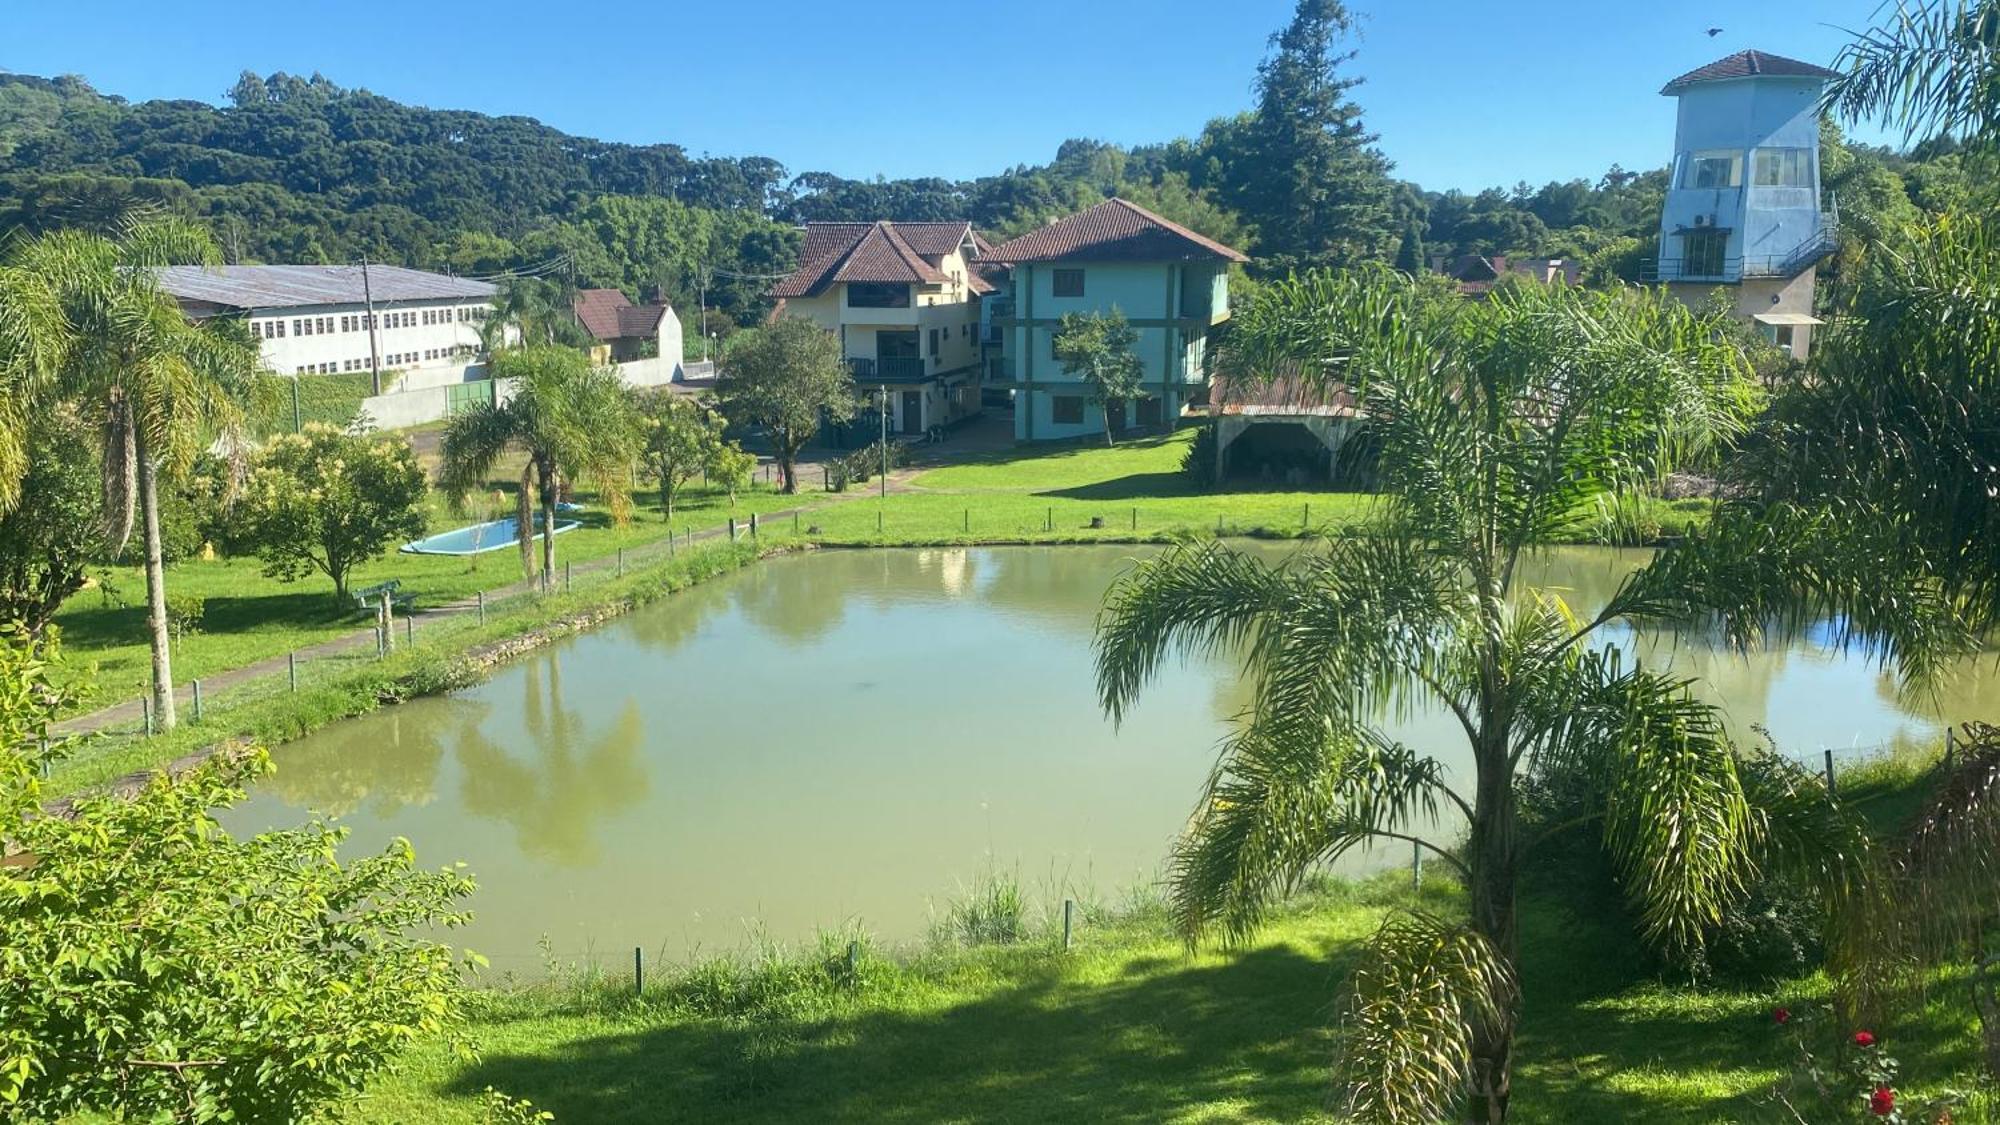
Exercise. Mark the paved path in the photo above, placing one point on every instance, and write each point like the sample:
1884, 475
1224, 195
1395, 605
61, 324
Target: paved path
981, 437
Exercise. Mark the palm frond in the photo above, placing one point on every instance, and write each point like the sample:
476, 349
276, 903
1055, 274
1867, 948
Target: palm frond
1276, 806
1425, 989
473, 443
1932, 68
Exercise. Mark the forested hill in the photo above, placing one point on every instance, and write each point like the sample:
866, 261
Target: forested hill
304, 170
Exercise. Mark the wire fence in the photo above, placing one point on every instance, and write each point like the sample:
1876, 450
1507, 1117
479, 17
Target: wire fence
490, 615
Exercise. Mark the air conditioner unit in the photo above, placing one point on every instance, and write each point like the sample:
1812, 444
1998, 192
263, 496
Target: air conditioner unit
1701, 220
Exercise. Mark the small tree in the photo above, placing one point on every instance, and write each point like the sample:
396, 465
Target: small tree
1100, 349
683, 439
731, 467
327, 500
154, 967
47, 539
786, 377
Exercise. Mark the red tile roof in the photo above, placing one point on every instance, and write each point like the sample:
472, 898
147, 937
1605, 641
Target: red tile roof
607, 315
1748, 64
1113, 231
885, 252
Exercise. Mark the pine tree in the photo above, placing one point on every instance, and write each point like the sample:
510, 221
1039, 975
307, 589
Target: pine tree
1410, 255
1317, 188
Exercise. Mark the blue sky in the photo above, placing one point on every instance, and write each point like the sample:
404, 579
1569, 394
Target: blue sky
1465, 93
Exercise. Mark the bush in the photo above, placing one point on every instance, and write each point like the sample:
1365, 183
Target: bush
184, 613
1198, 463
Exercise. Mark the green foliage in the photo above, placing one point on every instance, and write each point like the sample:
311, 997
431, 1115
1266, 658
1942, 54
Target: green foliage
158, 968
1101, 350
1931, 69
786, 378
683, 439
56, 528
326, 500
185, 613
993, 911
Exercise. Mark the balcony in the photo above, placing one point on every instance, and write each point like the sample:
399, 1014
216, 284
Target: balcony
1816, 247
887, 369
1001, 306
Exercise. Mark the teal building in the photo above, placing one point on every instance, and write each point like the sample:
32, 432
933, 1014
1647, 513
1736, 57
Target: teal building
1171, 284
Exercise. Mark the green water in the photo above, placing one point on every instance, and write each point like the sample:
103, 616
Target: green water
858, 735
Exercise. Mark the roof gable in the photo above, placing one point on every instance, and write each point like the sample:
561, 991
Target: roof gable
1748, 64
1115, 230
880, 252
607, 315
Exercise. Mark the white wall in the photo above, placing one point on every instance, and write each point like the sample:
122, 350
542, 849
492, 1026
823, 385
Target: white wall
346, 346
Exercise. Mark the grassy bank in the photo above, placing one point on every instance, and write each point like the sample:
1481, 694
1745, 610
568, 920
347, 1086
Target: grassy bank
444, 656
1127, 1026
249, 617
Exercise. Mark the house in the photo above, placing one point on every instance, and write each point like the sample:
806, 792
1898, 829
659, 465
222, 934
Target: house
1476, 274
325, 320
625, 332
1743, 207
904, 298
1171, 284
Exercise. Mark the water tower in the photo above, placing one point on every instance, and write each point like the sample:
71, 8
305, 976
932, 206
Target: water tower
1743, 207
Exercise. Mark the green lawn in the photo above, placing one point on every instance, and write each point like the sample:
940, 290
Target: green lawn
1129, 1027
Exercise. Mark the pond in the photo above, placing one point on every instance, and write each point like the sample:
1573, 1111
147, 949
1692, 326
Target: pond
860, 735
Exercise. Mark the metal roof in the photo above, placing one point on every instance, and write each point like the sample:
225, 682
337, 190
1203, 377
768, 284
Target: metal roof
279, 287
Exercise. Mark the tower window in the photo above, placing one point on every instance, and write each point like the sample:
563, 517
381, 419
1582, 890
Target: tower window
1714, 168
1783, 167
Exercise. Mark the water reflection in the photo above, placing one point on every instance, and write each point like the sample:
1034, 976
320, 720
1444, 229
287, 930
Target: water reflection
552, 780
844, 734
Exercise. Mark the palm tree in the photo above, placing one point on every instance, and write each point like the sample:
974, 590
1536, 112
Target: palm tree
1501, 425
572, 421
1932, 68
159, 386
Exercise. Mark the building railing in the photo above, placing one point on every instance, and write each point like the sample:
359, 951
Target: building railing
1809, 252
1002, 306
889, 369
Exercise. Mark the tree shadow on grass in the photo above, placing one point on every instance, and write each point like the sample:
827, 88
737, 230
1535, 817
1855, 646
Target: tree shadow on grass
1132, 487
1248, 1032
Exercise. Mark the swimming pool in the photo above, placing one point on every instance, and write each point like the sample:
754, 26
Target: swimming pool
479, 538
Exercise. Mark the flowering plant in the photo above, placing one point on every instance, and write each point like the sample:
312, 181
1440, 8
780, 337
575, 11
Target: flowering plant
1858, 1083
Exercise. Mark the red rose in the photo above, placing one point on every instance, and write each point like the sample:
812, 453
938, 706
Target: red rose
1781, 1015
1864, 1039
1882, 1102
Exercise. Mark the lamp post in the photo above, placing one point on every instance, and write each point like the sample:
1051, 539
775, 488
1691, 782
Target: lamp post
884, 449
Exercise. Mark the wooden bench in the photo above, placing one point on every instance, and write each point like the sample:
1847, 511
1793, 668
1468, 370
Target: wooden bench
368, 599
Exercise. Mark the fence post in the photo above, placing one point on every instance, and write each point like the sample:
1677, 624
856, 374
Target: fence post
1829, 773
621, 562
1218, 525
410, 628
1069, 922
795, 521
388, 622
1307, 521
732, 529
292, 668
197, 699
1135, 519
1416, 866
1049, 520
146, 706
878, 521
1950, 746
569, 576
482, 607
753, 525
968, 521
638, 972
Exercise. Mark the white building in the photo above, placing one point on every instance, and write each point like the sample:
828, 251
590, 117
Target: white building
315, 320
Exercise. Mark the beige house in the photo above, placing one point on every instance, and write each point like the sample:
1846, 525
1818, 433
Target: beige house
904, 299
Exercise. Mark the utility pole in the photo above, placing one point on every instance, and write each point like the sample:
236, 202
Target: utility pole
374, 349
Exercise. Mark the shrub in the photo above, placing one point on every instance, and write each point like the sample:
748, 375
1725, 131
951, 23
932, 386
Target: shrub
326, 500
184, 613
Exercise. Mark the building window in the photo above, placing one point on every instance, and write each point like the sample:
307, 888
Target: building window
1068, 283
1714, 168
1066, 410
1783, 167
281, 328
934, 343
871, 295
1703, 253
